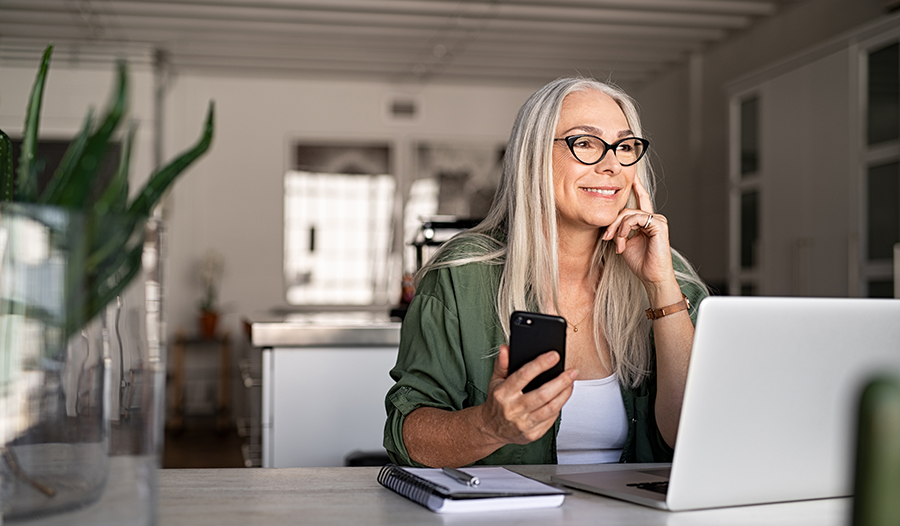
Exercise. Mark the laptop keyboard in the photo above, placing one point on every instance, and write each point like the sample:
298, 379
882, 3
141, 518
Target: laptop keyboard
661, 486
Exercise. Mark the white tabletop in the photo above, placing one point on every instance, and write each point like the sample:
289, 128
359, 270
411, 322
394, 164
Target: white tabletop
290, 496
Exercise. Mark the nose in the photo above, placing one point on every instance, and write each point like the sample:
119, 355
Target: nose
609, 163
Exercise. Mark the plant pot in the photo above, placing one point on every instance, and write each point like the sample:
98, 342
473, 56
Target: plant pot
208, 322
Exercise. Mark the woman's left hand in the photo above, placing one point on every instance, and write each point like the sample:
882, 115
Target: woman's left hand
647, 253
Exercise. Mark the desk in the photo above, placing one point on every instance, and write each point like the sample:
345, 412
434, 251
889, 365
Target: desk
341, 496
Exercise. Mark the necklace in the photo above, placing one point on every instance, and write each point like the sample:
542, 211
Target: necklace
575, 325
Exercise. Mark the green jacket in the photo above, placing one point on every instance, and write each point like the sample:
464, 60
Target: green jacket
448, 342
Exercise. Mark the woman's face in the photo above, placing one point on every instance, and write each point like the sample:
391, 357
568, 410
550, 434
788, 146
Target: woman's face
590, 196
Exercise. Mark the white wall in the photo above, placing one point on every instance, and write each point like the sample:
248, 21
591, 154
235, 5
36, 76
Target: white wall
700, 204
231, 200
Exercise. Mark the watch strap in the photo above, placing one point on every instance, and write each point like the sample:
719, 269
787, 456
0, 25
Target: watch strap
655, 314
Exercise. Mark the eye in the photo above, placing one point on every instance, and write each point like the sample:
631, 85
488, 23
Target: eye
582, 143
585, 143
625, 147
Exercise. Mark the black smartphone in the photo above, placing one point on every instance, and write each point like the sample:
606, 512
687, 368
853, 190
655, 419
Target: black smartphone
532, 334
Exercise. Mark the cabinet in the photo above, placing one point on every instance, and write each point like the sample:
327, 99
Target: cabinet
805, 211
323, 388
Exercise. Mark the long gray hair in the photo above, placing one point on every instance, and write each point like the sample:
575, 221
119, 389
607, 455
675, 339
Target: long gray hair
524, 209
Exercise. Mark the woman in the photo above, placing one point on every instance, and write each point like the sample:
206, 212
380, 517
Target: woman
571, 232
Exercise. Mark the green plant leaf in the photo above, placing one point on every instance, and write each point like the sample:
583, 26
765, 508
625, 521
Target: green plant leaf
114, 199
26, 184
63, 175
112, 234
77, 289
6, 168
163, 177
78, 188
112, 281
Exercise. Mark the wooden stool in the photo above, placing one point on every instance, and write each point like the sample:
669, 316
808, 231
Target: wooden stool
223, 411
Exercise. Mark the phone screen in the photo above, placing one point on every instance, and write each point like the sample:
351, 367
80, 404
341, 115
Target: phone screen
531, 334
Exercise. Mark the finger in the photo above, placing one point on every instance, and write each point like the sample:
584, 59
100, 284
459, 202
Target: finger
528, 372
623, 225
554, 388
614, 226
542, 418
536, 430
501, 364
643, 196
552, 407
632, 222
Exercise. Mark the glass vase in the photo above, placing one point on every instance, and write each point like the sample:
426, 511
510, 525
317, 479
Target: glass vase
80, 409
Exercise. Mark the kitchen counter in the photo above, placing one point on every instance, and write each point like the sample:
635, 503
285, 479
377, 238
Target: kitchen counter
324, 378
372, 329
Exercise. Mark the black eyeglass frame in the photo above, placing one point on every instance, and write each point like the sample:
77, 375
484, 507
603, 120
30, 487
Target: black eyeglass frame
570, 141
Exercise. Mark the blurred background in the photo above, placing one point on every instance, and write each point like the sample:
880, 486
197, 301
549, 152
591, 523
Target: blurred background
354, 135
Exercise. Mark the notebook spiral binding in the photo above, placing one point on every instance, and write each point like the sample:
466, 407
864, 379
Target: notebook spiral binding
410, 486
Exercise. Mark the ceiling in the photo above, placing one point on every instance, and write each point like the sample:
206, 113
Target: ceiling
471, 41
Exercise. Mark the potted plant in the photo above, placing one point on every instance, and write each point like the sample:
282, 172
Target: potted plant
67, 251
211, 270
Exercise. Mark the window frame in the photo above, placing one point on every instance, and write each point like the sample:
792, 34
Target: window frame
741, 183
863, 270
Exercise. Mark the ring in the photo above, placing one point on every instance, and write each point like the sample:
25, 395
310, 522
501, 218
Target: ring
649, 219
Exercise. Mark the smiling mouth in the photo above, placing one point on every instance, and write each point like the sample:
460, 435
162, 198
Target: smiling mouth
600, 191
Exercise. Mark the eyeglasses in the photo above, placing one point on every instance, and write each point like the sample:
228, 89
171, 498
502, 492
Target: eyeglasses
589, 149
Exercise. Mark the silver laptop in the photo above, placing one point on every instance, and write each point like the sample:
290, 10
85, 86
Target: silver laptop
770, 405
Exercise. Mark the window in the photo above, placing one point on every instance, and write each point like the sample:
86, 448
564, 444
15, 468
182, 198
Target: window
746, 171
338, 217
749, 229
883, 203
883, 111
452, 181
749, 136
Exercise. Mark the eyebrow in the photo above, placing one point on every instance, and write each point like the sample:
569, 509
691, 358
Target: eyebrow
597, 131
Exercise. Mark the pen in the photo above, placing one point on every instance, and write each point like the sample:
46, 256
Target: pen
459, 476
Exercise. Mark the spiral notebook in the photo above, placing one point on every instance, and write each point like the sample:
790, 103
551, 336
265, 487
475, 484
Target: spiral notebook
499, 489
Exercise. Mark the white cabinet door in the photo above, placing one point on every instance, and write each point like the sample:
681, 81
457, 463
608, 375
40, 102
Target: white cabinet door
324, 403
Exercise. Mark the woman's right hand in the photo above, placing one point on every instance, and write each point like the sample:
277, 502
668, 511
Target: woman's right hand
439, 437
513, 417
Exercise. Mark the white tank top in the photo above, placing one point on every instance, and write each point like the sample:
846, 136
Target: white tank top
594, 426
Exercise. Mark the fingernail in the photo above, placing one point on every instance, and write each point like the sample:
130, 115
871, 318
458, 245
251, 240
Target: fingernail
573, 373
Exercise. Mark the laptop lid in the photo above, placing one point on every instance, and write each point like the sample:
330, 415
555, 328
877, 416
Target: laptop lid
769, 411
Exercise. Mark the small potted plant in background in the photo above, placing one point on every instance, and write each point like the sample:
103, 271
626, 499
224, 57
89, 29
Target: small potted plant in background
211, 270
